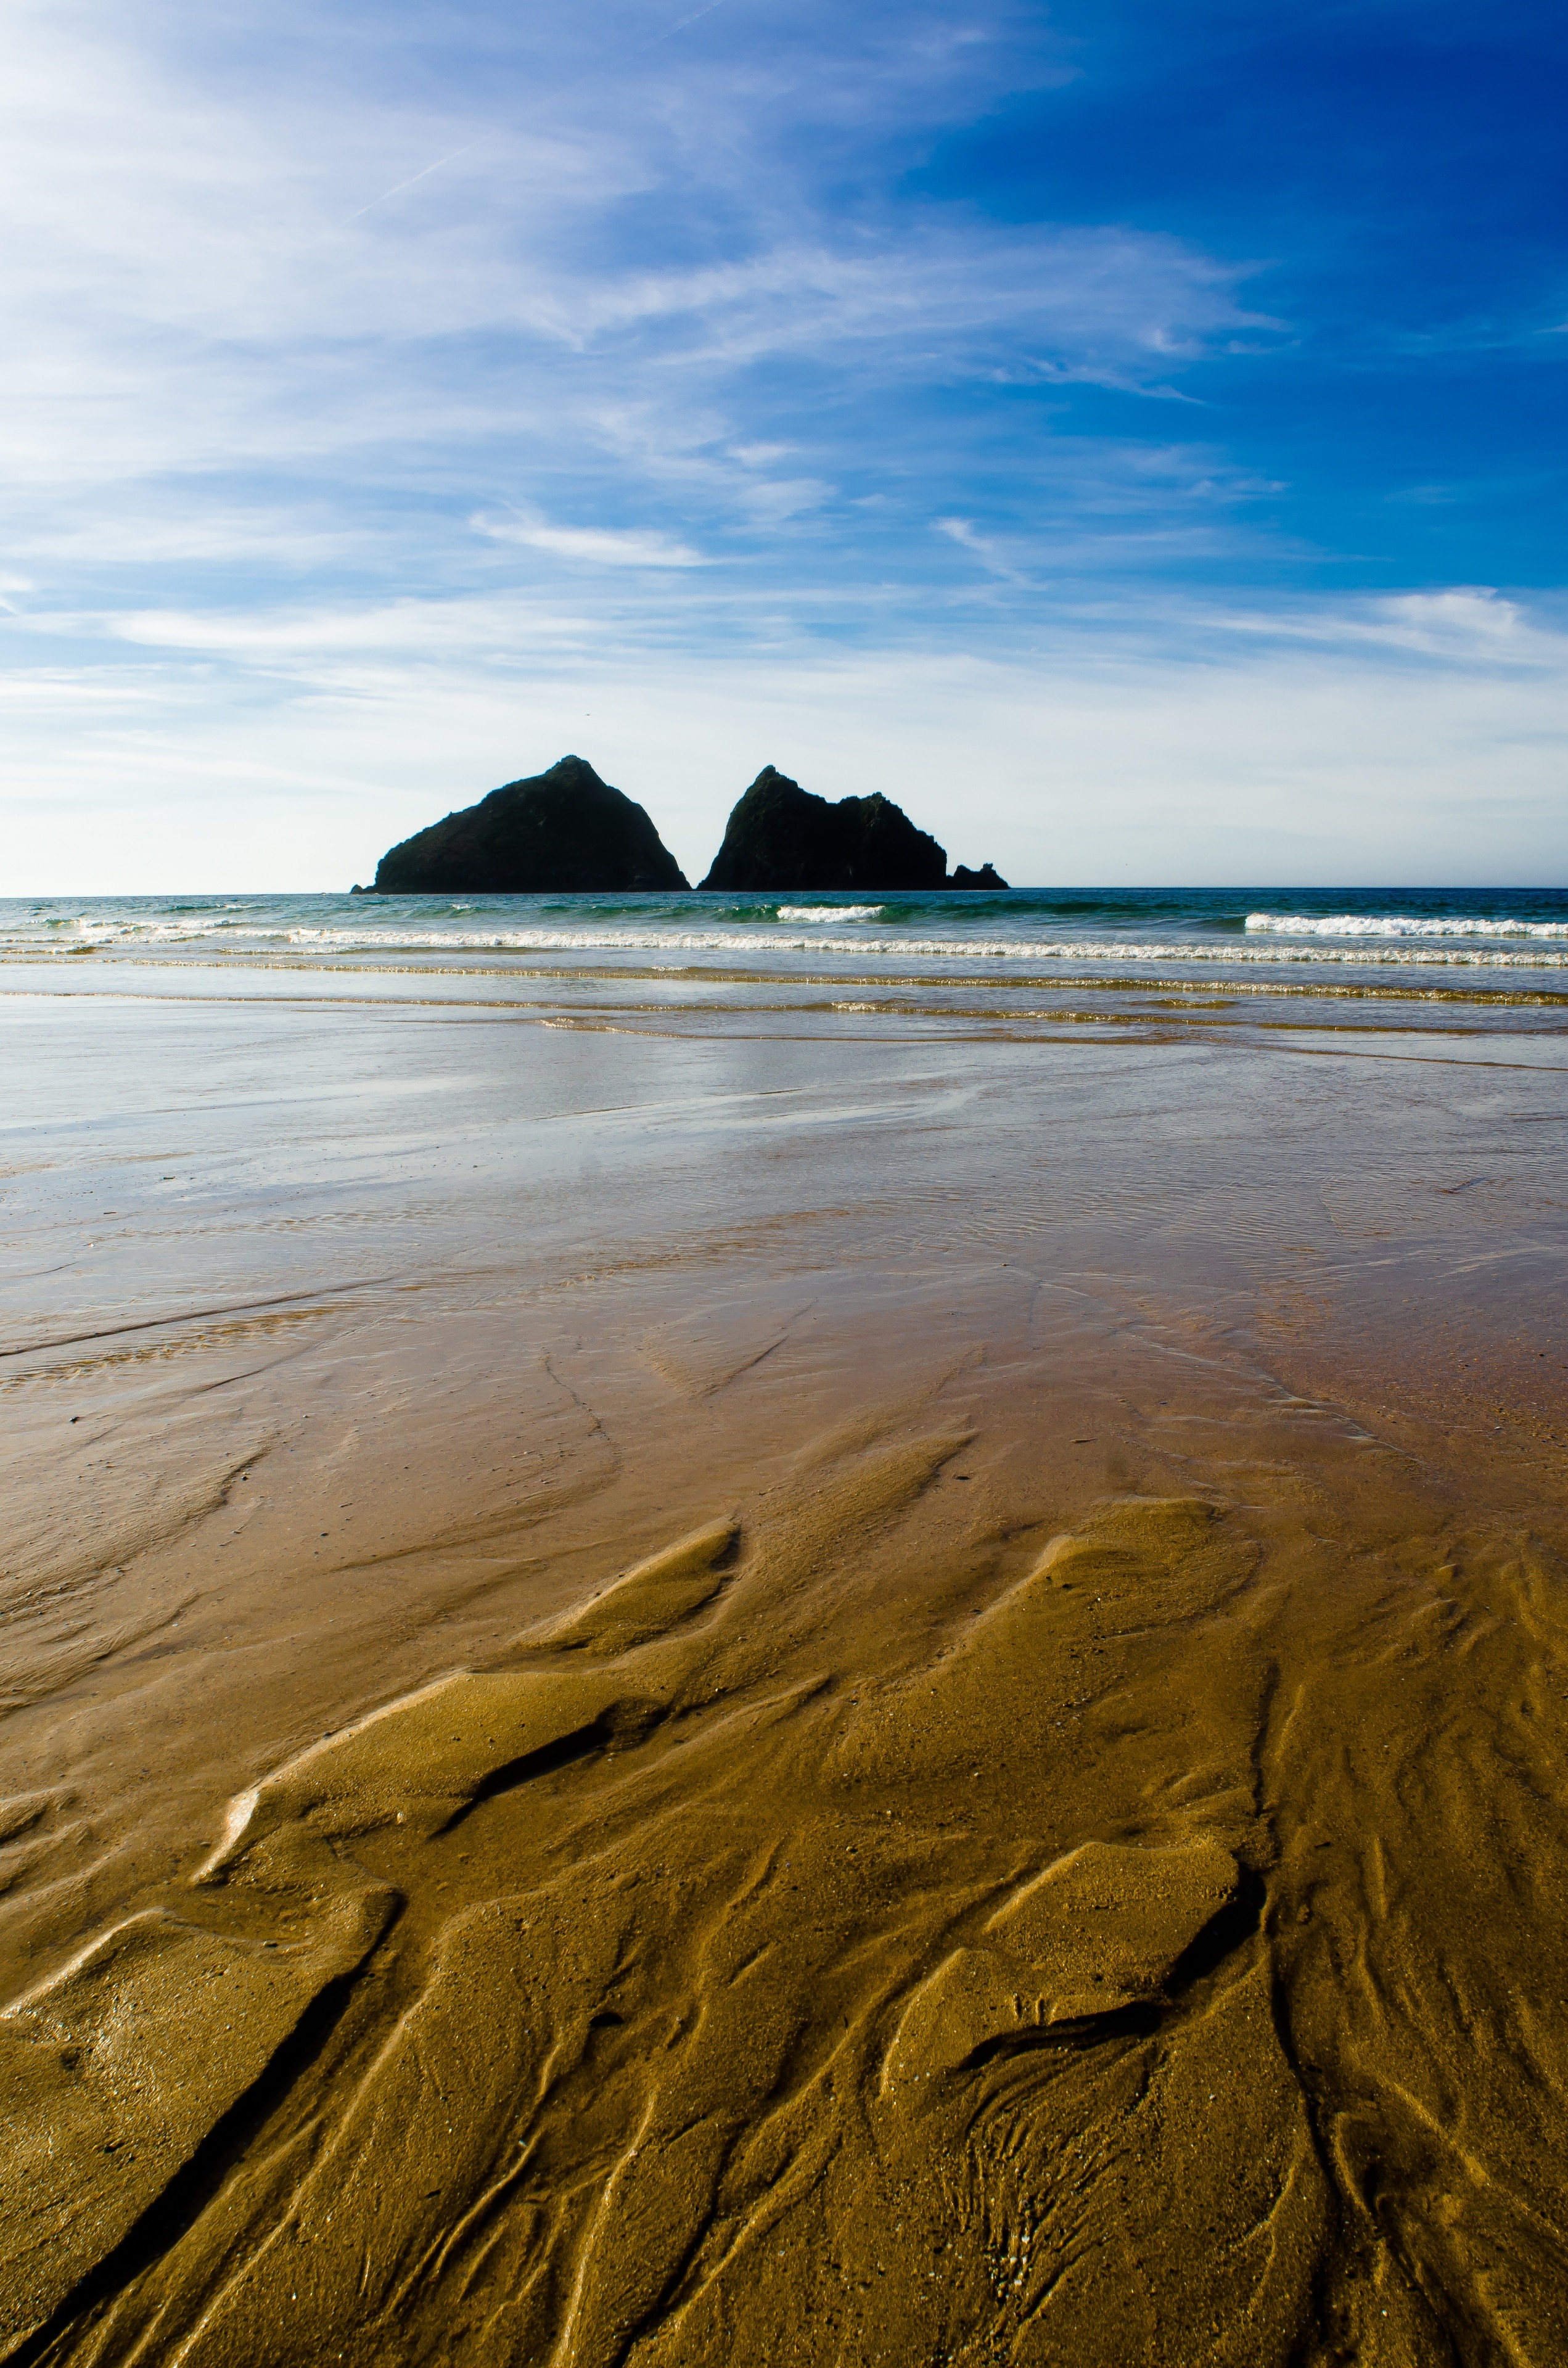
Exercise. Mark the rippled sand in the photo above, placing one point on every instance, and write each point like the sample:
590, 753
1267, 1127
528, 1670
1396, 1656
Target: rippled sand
684, 1696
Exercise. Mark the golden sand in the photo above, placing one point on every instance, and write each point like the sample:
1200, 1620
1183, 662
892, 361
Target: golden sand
804, 1806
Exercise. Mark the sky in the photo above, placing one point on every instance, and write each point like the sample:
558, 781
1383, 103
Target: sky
1131, 437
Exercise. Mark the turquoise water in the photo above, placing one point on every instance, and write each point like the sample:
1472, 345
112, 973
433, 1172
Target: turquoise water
1223, 929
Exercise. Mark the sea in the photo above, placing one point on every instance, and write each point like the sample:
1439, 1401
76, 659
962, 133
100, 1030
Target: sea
1232, 933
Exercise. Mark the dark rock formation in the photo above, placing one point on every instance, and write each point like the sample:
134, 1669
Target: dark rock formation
779, 835
561, 831
986, 877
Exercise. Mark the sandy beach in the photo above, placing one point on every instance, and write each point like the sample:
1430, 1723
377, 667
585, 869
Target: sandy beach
783, 1226
707, 1668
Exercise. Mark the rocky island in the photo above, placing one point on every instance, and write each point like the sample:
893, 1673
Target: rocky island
780, 836
563, 831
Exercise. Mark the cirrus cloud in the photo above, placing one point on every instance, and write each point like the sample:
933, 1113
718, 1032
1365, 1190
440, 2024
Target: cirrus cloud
597, 546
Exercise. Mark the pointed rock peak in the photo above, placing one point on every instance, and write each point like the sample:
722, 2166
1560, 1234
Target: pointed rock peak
565, 832
783, 837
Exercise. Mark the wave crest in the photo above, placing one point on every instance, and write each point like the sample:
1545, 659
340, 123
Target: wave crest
829, 911
1398, 925
1320, 951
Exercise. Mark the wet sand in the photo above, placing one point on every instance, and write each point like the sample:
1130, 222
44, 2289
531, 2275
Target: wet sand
769, 1683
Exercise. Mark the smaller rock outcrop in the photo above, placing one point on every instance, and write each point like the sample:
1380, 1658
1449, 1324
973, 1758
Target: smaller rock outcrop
561, 832
780, 836
986, 877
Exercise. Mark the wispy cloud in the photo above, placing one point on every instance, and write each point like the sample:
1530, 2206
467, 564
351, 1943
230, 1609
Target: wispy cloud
1115, 752
597, 546
192, 290
1470, 626
962, 532
355, 351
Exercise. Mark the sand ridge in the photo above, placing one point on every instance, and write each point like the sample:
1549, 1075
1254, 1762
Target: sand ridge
743, 2038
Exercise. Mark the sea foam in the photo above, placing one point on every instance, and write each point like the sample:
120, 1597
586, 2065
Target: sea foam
754, 941
829, 911
1398, 925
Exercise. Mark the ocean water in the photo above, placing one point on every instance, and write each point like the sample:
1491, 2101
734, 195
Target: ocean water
1214, 930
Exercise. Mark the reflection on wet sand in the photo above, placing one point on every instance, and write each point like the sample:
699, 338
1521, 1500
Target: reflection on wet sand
936, 1737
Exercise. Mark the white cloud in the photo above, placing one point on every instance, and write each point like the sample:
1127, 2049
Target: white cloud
1466, 625
376, 431
600, 546
1115, 304
1102, 757
203, 274
235, 369
962, 532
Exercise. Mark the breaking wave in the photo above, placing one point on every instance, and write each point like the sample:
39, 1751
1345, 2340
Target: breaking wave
1399, 925
1460, 949
829, 911
1206, 930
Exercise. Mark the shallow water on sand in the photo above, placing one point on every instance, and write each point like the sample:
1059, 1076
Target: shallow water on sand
702, 1670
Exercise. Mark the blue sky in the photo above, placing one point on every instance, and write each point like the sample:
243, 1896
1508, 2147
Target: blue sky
1130, 436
